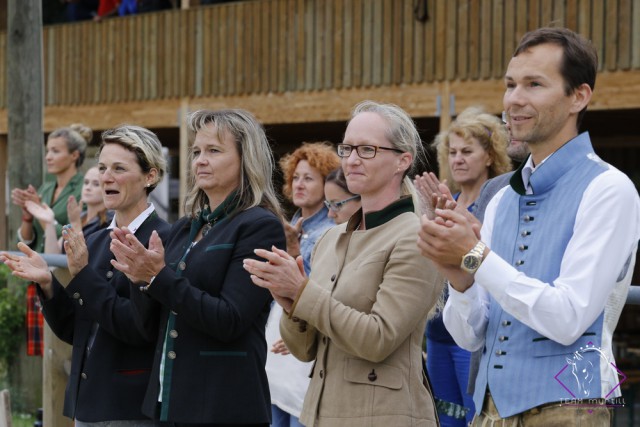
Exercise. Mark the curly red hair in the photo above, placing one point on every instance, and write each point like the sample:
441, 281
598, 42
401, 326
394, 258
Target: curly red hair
320, 155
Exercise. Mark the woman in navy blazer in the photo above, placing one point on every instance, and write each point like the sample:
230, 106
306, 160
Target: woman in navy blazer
113, 346
211, 352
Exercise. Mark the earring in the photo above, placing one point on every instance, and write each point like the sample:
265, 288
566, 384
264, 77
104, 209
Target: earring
148, 185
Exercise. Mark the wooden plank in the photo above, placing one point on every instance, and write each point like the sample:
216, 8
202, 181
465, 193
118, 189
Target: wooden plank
291, 40
213, 64
635, 35
485, 40
358, 40
463, 44
450, 39
283, 23
64, 64
497, 36
338, 44
320, 36
398, 50
238, 30
185, 71
377, 41
430, 43
224, 50
597, 30
534, 15
266, 47
625, 12
521, 20
273, 58
328, 54
440, 24
611, 35
474, 40
199, 53
367, 43
546, 12
410, 27
347, 55
256, 30
584, 18
510, 36
391, 50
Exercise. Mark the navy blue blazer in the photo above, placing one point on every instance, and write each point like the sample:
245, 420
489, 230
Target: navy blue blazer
107, 382
214, 321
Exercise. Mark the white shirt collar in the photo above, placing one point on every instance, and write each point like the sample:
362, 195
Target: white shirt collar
137, 222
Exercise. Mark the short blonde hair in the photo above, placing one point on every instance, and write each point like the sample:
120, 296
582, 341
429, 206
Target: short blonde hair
490, 132
143, 143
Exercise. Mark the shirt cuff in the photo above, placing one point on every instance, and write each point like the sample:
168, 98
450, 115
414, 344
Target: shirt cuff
495, 275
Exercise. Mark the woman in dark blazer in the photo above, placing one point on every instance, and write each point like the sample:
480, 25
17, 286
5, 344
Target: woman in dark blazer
211, 352
112, 346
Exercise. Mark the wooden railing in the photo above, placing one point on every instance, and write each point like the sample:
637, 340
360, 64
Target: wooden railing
274, 46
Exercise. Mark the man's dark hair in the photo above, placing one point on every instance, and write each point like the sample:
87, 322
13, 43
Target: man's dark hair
579, 61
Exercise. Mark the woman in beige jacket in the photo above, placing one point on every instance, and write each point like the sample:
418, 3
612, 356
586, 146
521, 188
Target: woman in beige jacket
362, 312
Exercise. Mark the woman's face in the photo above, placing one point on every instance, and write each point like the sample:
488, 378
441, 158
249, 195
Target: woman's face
334, 193
91, 191
58, 157
307, 187
216, 164
122, 180
373, 178
468, 161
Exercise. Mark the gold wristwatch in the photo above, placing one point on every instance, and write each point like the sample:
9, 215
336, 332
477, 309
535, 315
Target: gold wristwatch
472, 260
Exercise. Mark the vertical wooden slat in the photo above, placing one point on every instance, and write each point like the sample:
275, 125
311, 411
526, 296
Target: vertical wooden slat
117, 52
462, 40
571, 14
347, 67
319, 35
388, 59
411, 28
273, 36
450, 40
367, 42
546, 9
474, 40
584, 18
199, 53
624, 35
205, 26
430, 43
510, 37
338, 44
485, 39
291, 46
223, 50
559, 13
521, 19
497, 36
212, 77
611, 35
597, 30
376, 42
635, 35
326, 46
155, 71
358, 40
283, 25
256, 60
266, 44
238, 37
440, 23
398, 50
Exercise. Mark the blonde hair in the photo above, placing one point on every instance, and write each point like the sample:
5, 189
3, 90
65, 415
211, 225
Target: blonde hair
143, 143
77, 137
257, 164
487, 129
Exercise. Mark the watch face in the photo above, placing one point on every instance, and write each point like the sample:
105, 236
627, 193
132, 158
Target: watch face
471, 262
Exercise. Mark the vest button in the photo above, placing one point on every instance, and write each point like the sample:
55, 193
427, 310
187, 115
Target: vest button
528, 218
525, 233
171, 355
76, 295
84, 376
80, 301
173, 333
109, 274
182, 265
333, 278
519, 262
523, 247
506, 323
372, 375
502, 338
500, 352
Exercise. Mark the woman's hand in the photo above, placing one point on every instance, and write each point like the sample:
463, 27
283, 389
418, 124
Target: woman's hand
20, 196
76, 249
292, 233
281, 274
74, 211
433, 194
30, 267
279, 347
40, 211
138, 263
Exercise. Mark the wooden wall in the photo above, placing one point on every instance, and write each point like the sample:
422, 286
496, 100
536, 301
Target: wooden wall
278, 46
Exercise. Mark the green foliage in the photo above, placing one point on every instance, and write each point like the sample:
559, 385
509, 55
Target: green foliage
12, 315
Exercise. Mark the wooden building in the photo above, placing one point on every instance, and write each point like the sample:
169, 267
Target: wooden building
301, 65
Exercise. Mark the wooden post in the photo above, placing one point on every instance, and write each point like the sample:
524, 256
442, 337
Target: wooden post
24, 100
184, 152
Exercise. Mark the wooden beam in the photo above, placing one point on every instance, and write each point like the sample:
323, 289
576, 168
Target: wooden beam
614, 90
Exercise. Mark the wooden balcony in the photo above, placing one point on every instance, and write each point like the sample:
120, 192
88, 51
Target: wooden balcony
301, 61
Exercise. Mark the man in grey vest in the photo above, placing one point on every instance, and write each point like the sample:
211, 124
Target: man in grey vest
540, 290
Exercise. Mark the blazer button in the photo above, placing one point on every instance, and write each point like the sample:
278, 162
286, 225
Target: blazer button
182, 265
333, 278
173, 333
84, 376
372, 375
171, 355
321, 373
109, 274
76, 295
80, 301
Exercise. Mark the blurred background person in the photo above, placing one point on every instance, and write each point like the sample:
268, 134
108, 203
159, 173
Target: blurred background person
339, 201
113, 347
472, 150
361, 313
304, 172
211, 351
64, 154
